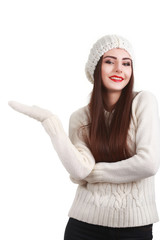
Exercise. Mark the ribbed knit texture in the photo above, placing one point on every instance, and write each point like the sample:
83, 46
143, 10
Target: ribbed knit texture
116, 205
120, 194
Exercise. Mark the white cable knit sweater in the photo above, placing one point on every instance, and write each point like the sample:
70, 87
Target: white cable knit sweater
119, 194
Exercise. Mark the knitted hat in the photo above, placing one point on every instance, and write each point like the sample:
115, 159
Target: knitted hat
103, 45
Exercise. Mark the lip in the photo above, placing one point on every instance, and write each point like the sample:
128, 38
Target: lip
116, 80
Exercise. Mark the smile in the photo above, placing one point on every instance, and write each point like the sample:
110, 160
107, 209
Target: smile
116, 78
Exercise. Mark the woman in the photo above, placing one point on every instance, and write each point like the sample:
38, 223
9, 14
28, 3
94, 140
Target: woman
112, 152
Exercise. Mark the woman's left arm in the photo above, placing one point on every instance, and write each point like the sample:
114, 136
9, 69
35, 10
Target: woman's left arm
146, 161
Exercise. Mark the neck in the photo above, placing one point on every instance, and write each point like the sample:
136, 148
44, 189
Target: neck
110, 98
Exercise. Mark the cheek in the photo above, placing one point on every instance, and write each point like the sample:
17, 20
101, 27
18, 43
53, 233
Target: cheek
105, 70
129, 73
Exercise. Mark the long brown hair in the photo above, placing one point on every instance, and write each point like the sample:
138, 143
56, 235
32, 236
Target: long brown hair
109, 144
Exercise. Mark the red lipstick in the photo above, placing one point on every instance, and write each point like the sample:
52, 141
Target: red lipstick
116, 78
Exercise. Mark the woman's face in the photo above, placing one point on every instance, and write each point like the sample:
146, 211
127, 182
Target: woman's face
116, 69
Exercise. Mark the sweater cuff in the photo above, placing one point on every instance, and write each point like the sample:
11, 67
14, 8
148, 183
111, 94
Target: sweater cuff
53, 125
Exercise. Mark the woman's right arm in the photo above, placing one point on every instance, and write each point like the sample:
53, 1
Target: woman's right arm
72, 151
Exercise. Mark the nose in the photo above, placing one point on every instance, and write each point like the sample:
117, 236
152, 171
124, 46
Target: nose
118, 67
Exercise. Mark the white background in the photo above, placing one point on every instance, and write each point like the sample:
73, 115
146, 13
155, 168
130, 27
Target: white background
44, 46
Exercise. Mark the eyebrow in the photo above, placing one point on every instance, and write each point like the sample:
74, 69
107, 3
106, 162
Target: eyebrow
116, 58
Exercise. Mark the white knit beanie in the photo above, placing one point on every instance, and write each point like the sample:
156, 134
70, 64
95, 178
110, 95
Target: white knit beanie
103, 45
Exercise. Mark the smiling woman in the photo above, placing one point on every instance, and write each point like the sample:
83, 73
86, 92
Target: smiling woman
112, 151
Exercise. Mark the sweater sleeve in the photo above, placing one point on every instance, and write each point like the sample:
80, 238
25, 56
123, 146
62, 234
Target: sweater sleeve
146, 161
73, 152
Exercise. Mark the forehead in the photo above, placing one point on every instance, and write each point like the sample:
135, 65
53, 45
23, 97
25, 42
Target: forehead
117, 52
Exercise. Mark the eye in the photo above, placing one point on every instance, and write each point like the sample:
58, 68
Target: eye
109, 62
127, 64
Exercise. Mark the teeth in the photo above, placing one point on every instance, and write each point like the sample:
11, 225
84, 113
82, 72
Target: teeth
116, 78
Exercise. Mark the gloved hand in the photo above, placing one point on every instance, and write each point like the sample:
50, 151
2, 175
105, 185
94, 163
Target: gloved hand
35, 112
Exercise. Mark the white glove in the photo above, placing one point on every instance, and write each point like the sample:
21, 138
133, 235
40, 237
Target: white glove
35, 112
